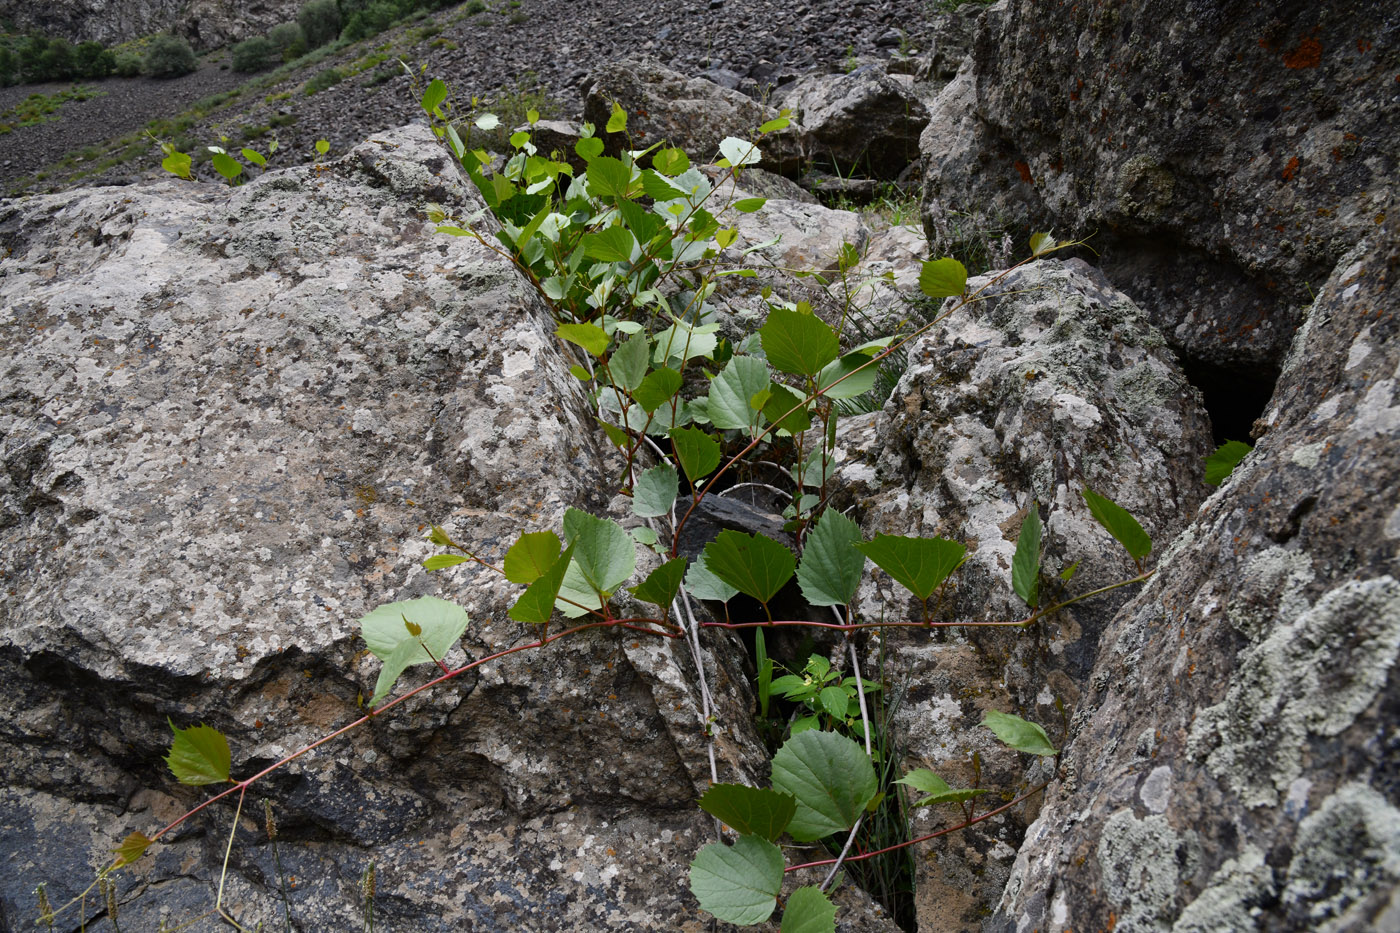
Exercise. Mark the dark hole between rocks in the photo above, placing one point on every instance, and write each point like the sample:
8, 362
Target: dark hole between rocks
1233, 398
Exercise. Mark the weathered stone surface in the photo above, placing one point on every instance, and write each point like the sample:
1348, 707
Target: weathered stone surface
1235, 764
228, 415
866, 122
1225, 154
1054, 382
206, 23
691, 113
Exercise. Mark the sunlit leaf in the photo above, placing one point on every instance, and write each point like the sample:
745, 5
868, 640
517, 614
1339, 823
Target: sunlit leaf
757, 565
531, 556
443, 561
536, 604
920, 565
937, 789
617, 120
440, 624
1019, 734
739, 151
589, 336
798, 343
199, 755
132, 848
942, 278
605, 553
1120, 524
742, 378
829, 776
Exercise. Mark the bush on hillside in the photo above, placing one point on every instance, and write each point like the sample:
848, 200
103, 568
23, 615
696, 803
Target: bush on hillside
289, 40
129, 65
91, 60
320, 22
9, 67
170, 57
255, 54
324, 79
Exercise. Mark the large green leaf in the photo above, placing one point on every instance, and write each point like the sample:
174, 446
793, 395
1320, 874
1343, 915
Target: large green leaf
942, 278
1025, 565
797, 343
199, 755
701, 583
1019, 734
920, 565
433, 97
628, 364
611, 244
656, 491
1221, 463
749, 811
658, 388
733, 389
531, 556
757, 565
606, 554
738, 883
536, 604
831, 565
785, 410
1119, 524
671, 161
609, 177
662, 584
589, 336
845, 378
697, 451
409, 632
809, 910
829, 776
937, 789
739, 151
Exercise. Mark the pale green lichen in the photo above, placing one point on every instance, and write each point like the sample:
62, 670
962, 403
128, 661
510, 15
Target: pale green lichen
1270, 592
1346, 850
1229, 904
1313, 676
1138, 859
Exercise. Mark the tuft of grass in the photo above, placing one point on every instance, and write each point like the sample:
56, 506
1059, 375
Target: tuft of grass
40, 108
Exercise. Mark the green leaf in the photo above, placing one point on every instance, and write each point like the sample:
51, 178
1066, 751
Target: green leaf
487, 121
702, 583
1222, 463
925, 781
809, 910
177, 163
199, 755
322, 147
749, 205
740, 380
254, 156
1025, 565
942, 278
443, 561
834, 701
780, 122
697, 451
536, 604
658, 188
589, 149
1019, 734
609, 177
628, 364
617, 121
764, 664
589, 336
611, 244
226, 165
658, 388
656, 491
757, 565
798, 343
749, 811
386, 631
606, 554
1042, 243
433, 97
831, 565
530, 557
829, 776
920, 565
782, 400
670, 162
683, 341
738, 883
1119, 524
619, 437
853, 380
661, 584
739, 151
132, 848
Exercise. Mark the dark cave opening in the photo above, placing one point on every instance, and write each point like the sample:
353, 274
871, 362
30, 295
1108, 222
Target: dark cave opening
1234, 398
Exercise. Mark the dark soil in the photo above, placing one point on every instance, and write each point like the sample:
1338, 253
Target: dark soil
545, 45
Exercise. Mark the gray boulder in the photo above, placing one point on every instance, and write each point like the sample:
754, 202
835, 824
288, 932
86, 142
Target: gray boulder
206, 23
1234, 762
1223, 154
866, 122
228, 417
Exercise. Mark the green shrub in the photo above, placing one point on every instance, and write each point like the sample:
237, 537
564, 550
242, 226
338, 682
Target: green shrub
128, 65
324, 79
91, 60
170, 57
320, 22
9, 67
56, 62
31, 55
475, 7
289, 40
255, 54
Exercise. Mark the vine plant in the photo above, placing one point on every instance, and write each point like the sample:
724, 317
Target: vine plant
627, 254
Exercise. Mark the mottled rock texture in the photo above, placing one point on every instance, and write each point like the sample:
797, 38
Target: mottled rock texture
1235, 762
1224, 154
1052, 382
865, 123
206, 23
228, 415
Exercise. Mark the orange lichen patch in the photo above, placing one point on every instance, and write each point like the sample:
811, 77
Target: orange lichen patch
1291, 169
1024, 170
1308, 54
1362, 45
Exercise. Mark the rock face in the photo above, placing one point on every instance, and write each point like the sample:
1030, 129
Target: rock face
866, 122
1235, 765
1225, 154
228, 415
206, 23
1054, 382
